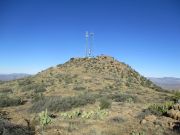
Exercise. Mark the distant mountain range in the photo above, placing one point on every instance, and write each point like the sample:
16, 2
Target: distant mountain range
14, 76
171, 83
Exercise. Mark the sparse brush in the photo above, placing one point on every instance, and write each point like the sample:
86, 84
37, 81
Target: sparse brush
105, 103
123, 98
62, 104
79, 88
6, 101
24, 82
6, 90
176, 97
117, 119
7, 128
37, 88
37, 96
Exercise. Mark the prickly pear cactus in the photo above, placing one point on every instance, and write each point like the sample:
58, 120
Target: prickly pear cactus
71, 114
97, 114
102, 114
44, 118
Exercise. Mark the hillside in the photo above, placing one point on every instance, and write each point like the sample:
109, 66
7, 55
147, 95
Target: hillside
88, 74
88, 96
169, 83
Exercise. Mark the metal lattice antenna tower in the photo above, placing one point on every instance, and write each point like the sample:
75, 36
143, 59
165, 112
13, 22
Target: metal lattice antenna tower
91, 44
87, 42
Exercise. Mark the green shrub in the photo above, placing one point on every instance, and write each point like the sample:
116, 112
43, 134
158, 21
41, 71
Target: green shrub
123, 98
6, 101
37, 96
62, 104
34, 87
6, 90
59, 65
117, 119
105, 103
176, 97
24, 82
29, 87
67, 78
160, 109
40, 88
71, 59
2, 82
80, 88
144, 113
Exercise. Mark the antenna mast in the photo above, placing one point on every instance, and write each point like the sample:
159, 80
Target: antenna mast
89, 43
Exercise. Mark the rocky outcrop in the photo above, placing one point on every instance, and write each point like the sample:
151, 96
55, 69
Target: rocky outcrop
176, 107
174, 112
149, 118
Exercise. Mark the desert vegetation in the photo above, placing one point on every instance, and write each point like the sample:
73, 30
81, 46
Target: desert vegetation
8, 128
6, 101
58, 103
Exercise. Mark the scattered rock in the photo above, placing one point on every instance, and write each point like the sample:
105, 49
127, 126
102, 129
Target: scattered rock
143, 121
117, 119
53, 116
150, 118
171, 125
174, 126
4, 115
58, 132
175, 114
176, 107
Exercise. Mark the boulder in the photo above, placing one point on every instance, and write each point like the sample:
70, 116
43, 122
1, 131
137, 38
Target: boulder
175, 114
176, 107
143, 122
150, 118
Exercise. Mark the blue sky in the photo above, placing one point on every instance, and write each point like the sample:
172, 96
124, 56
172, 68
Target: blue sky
37, 34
